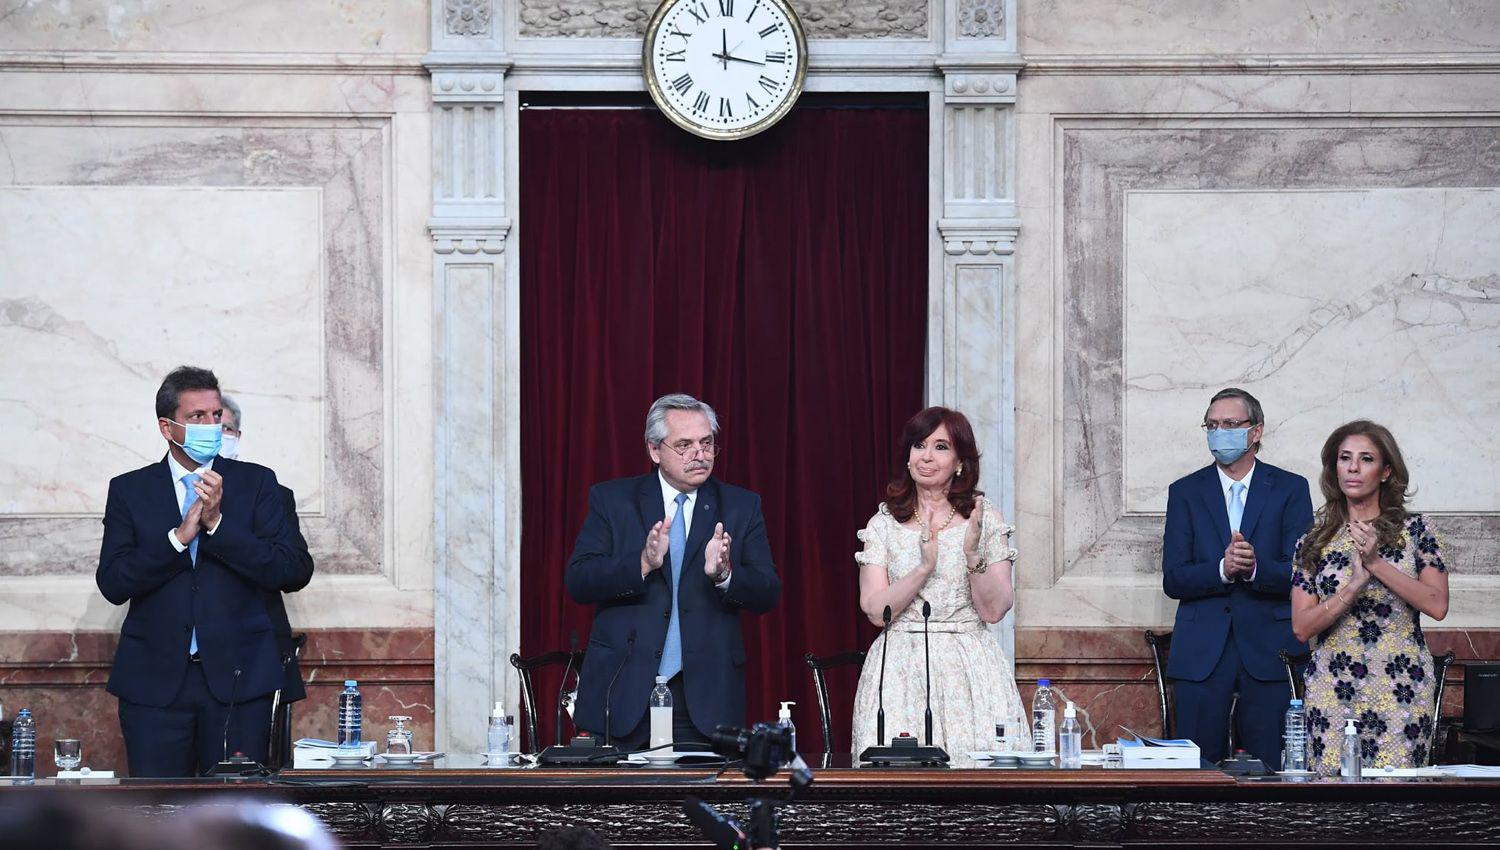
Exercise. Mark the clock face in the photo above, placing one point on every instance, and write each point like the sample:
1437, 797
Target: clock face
725, 69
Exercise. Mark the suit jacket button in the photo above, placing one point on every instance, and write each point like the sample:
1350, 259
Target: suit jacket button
195, 590
658, 653
666, 615
1226, 609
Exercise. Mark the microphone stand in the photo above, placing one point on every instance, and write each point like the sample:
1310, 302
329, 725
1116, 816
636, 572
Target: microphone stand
904, 750
585, 749
240, 764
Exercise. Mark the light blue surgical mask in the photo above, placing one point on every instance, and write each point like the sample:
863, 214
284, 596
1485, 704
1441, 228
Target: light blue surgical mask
231, 447
1229, 444
201, 441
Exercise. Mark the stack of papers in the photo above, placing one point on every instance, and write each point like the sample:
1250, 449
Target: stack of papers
313, 752
1144, 752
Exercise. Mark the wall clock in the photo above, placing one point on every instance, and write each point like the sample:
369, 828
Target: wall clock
725, 69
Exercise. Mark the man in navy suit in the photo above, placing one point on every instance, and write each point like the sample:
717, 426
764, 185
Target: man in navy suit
669, 559
192, 543
1227, 560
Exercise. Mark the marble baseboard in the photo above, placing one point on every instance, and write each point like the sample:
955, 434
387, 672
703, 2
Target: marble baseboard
61, 677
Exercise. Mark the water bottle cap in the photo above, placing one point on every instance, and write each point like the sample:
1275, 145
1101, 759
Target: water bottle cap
1044, 683
349, 683
661, 680
1296, 703
25, 712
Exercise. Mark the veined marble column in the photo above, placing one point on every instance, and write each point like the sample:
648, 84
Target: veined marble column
477, 518
972, 356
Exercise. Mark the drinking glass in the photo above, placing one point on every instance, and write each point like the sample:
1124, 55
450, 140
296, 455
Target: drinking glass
398, 741
67, 753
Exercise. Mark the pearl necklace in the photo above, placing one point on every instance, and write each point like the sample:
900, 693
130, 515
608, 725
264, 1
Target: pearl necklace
922, 523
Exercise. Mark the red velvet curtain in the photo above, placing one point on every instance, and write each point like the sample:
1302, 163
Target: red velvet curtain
780, 279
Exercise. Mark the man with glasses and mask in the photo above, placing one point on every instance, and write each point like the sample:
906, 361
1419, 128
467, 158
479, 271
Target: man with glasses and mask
669, 559
1227, 560
192, 542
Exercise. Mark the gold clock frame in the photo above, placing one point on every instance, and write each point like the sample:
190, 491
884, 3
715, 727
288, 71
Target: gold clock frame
653, 85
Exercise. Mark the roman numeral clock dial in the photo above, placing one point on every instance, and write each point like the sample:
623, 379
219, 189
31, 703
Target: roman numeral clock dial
725, 69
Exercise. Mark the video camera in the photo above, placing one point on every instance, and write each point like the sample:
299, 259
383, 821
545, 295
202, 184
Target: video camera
764, 749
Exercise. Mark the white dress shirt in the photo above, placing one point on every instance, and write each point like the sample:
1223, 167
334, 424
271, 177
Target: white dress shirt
180, 488
1226, 483
669, 509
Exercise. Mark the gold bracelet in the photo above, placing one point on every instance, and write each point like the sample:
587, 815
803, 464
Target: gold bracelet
974, 571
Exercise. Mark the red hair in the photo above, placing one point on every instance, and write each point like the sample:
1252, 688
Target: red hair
901, 493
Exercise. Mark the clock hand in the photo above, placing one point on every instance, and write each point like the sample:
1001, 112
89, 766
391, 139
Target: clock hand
746, 61
724, 46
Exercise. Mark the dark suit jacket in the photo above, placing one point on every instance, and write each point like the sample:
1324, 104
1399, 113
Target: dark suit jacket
253, 551
605, 571
1278, 510
292, 687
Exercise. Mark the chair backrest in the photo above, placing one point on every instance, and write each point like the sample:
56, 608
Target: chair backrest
819, 666
1296, 669
279, 753
1440, 665
572, 661
1160, 646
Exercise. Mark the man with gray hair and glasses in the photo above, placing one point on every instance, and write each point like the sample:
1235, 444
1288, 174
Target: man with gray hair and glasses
1227, 550
669, 559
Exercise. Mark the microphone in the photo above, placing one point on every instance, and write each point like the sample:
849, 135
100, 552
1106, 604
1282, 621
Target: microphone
610, 691
240, 764
884, 645
234, 687
904, 751
562, 687
927, 655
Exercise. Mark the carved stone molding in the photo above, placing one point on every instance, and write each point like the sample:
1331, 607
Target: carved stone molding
979, 236
469, 238
467, 17
981, 18
830, 19
468, 86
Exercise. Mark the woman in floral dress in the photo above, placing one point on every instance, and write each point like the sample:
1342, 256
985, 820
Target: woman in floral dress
1360, 579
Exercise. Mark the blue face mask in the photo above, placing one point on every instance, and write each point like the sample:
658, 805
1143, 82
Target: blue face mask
201, 442
1229, 444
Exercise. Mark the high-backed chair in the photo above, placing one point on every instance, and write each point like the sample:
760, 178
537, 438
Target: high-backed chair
279, 753
573, 662
820, 666
1296, 664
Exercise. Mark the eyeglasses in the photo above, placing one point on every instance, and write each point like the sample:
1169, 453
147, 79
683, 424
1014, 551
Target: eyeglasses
688, 450
1226, 424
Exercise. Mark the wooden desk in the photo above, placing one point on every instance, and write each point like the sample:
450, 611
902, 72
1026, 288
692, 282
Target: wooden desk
470, 807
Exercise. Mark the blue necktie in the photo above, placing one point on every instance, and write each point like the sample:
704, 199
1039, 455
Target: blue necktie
1236, 505
192, 496
671, 651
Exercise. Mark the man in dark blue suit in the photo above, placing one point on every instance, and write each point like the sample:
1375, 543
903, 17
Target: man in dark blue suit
192, 543
669, 560
1227, 560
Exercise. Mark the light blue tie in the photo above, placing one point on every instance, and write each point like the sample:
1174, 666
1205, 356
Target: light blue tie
192, 496
1236, 505
671, 651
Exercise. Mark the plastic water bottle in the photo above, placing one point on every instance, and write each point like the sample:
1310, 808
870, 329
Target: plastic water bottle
499, 736
1349, 766
350, 713
661, 714
23, 745
1043, 718
1294, 750
785, 719
1070, 740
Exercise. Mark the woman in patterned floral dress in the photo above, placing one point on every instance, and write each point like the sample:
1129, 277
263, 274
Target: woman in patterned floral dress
937, 540
1361, 577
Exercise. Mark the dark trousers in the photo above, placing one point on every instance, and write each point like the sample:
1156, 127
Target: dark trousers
186, 737
1203, 710
683, 730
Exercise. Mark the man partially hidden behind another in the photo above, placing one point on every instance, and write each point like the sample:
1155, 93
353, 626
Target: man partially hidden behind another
669, 559
192, 542
1227, 558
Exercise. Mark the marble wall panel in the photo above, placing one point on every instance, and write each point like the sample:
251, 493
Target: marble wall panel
343, 163
217, 26
1100, 165
1232, 27
200, 275
1329, 306
857, 19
